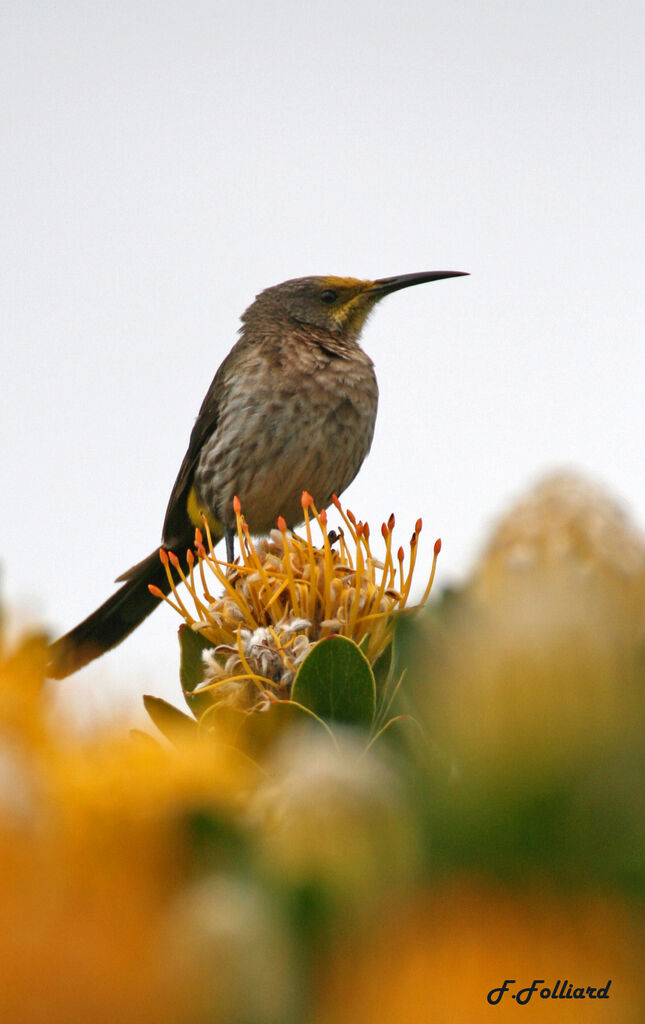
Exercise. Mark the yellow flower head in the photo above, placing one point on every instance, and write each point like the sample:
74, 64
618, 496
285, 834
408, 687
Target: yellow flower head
284, 594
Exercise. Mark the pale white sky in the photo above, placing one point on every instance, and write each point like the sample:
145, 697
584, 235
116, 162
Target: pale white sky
163, 162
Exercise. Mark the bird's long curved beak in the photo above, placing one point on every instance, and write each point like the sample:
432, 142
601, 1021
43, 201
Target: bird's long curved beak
385, 285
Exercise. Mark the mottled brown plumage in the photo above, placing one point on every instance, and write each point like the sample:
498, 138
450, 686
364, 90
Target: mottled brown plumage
291, 408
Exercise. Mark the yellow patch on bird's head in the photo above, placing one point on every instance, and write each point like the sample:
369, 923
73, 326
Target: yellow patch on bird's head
353, 304
339, 305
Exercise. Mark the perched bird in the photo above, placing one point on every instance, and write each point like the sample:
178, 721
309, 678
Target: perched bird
291, 408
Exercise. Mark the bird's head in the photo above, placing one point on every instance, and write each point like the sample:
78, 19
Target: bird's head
338, 305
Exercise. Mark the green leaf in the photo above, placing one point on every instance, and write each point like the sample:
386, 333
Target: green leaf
170, 721
386, 702
191, 672
191, 669
404, 640
381, 668
335, 681
392, 665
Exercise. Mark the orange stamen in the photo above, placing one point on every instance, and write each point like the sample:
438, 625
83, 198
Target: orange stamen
426, 593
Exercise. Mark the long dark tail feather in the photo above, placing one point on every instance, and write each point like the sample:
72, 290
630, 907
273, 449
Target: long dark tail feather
115, 619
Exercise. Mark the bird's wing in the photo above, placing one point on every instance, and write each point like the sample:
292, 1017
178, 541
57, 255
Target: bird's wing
205, 426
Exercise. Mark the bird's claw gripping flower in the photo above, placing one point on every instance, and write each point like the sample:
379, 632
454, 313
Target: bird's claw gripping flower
284, 594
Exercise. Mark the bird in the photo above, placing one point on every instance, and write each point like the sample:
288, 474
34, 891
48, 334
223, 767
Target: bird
292, 408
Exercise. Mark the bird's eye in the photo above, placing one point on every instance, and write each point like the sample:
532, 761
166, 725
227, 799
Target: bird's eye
328, 296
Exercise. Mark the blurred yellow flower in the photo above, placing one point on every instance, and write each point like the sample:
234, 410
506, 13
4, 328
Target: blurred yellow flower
540, 660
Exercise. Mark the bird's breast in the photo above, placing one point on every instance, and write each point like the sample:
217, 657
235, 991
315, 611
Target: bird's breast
306, 424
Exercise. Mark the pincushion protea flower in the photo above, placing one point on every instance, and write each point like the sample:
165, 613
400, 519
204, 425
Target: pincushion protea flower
284, 594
